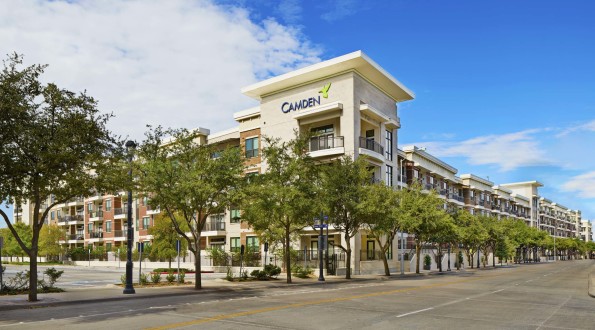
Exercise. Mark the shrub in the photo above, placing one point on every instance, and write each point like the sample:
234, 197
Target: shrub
170, 277
229, 275
182, 275
272, 270
155, 278
143, 279
427, 260
173, 270
301, 272
123, 279
53, 275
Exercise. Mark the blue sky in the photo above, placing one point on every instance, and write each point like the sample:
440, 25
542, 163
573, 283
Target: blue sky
503, 89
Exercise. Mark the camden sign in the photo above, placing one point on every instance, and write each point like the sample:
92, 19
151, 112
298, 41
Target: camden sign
287, 107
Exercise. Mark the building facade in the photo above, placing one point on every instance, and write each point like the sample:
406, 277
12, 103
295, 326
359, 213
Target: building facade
351, 105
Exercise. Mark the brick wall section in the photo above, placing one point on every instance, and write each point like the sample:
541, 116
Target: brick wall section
249, 134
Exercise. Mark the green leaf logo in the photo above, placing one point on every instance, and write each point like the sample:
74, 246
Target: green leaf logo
324, 90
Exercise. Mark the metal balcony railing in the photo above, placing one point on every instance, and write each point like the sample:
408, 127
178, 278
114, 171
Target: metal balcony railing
96, 214
371, 145
325, 142
214, 226
78, 237
119, 233
96, 234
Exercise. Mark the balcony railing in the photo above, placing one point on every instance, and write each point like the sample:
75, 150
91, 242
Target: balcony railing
457, 197
96, 214
214, 226
120, 210
120, 233
96, 234
371, 145
325, 142
78, 237
76, 217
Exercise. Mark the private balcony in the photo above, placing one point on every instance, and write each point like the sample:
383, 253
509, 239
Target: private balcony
327, 145
120, 213
216, 228
371, 148
95, 216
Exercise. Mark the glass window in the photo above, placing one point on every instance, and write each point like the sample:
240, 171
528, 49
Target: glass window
108, 205
234, 243
252, 147
90, 228
90, 207
235, 216
146, 222
252, 243
389, 175
108, 226
52, 215
389, 145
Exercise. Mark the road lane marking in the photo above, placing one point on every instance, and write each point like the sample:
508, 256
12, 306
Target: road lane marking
415, 312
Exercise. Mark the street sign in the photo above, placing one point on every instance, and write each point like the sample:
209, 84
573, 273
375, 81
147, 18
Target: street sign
318, 226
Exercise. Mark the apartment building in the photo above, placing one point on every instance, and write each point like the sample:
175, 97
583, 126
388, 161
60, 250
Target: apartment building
586, 231
351, 104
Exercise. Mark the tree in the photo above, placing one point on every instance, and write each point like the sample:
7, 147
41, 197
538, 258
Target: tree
282, 201
11, 245
343, 184
49, 241
495, 235
471, 233
383, 216
425, 216
165, 238
54, 143
188, 182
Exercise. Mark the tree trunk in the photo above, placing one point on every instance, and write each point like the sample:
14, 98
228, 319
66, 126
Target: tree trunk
348, 261
385, 261
494, 257
33, 275
287, 257
197, 274
417, 256
439, 261
169, 263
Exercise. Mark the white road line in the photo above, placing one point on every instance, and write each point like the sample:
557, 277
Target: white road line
415, 312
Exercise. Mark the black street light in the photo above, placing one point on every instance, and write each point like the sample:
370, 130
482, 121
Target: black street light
448, 268
129, 289
321, 242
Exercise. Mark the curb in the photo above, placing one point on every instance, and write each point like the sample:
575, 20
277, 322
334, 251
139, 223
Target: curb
41, 304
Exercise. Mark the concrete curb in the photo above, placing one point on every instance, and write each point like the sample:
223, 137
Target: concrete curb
187, 291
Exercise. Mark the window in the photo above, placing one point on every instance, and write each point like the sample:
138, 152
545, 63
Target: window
389, 175
252, 243
234, 243
145, 200
90, 207
108, 247
52, 215
146, 222
90, 230
234, 216
252, 147
314, 249
371, 247
108, 205
389, 145
136, 223
108, 226
323, 138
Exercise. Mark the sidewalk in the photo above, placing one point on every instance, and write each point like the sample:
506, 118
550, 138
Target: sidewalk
114, 293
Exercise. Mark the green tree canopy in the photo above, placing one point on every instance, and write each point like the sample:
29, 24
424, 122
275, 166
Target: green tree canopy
282, 201
187, 181
54, 143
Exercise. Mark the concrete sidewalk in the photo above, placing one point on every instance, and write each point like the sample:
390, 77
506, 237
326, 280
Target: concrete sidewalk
114, 292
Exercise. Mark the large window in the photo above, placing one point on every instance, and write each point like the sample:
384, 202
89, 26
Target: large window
234, 216
234, 243
389, 145
146, 222
252, 243
108, 205
252, 147
389, 175
108, 226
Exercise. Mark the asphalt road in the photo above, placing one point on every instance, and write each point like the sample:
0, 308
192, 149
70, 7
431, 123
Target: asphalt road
537, 296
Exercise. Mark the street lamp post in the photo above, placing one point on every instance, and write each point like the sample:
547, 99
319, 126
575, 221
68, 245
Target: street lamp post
129, 289
448, 268
320, 248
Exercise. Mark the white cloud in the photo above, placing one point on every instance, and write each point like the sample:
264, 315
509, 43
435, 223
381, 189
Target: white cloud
177, 63
341, 9
507, 151
589, 126
583, 184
